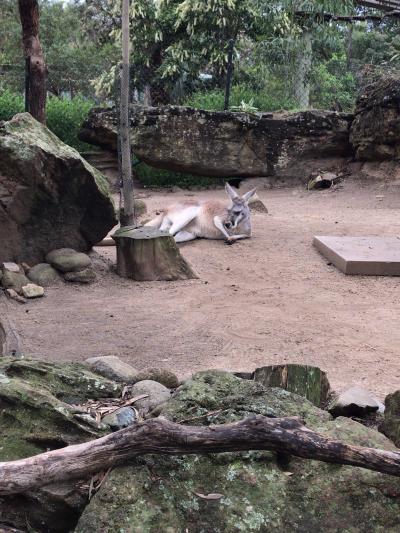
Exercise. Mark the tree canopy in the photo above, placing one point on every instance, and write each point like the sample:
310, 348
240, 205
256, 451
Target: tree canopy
179, 49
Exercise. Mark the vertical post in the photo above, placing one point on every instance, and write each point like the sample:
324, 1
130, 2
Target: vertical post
229, 71
27, 82
128, 217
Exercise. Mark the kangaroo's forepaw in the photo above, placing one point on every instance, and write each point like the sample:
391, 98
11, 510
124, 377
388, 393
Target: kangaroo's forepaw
229, 240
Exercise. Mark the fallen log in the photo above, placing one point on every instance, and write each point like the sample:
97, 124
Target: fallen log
160, 436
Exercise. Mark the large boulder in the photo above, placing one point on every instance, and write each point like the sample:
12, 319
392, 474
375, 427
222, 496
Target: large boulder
375, 131
252, 491
50, 197
224, 143
39, 412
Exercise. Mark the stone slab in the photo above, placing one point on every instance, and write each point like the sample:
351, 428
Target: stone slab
367, 256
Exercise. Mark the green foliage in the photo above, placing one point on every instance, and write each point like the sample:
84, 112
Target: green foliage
266, 100
332, 91
65, 117
154, 178
10, 104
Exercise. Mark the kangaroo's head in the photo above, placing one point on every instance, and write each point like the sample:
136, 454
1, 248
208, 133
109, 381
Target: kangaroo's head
239, 208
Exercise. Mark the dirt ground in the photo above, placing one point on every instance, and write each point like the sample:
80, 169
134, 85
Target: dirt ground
272, 299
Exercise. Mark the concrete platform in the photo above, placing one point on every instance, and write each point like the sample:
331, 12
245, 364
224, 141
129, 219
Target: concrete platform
366, 256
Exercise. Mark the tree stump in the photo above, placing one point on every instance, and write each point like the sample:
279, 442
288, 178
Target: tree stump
148, 254
308, 381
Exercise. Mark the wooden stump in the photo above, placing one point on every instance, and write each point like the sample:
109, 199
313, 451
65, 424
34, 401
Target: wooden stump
148, 254
308, 381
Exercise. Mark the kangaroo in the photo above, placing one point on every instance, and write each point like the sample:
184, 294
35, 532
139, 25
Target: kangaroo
209, 219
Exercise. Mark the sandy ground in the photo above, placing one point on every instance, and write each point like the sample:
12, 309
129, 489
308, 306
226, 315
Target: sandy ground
268, 300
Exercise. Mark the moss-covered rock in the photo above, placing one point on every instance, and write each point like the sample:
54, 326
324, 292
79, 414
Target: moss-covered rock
254, 491
36, 415
229, 398
35, 405
391, 424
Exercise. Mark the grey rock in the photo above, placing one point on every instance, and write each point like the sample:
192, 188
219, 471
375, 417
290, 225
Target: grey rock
68, 260
83, 276
355, 401
43, 274
32, 291
165, 377
113, 368
156, 392
121, 418
54, 197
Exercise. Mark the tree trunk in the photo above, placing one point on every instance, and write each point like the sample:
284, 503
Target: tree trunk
303, 69
29, 14
159, 436
148, 254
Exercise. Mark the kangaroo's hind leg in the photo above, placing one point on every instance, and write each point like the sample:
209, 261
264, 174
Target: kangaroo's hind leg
183, 236
182, 219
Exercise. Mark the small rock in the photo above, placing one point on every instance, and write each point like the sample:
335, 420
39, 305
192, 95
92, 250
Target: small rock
43, 274
113, 368
14, 280
83, 276
355, 401
156, 392
11, 293
165, 377
10, 267
68, 260
32, 291
121, 418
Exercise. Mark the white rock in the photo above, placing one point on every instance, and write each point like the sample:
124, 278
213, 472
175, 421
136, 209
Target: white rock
32, 291
11, 267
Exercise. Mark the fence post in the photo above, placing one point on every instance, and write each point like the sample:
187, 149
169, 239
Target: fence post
27, 82
229, 71
128, 218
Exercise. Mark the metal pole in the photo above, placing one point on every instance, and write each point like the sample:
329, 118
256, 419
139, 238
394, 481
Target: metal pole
229, 71
128, 218
27, 82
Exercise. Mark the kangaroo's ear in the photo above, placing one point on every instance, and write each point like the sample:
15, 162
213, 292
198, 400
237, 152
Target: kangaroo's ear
231, 191
246, 197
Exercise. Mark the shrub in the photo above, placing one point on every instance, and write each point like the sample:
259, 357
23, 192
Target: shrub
269, 99
10, 104
154, 177
65, 117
